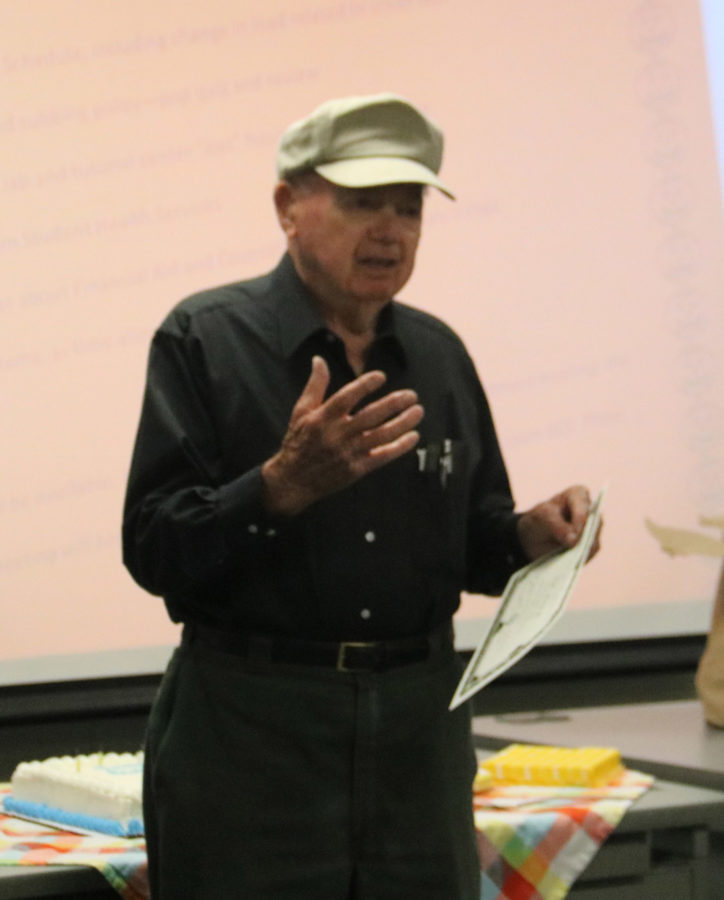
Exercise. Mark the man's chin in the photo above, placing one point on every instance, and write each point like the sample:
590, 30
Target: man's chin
379, 289
374, 298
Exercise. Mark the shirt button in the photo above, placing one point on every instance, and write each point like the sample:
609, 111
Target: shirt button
365, 613
253, 529
370, 537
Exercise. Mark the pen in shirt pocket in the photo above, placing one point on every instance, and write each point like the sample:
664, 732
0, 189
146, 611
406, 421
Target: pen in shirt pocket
438, 458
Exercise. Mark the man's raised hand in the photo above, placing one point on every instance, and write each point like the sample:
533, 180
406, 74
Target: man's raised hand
329, 444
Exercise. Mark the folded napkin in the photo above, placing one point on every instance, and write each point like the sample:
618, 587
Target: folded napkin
535, 841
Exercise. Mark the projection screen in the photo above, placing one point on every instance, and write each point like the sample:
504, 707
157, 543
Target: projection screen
583, 264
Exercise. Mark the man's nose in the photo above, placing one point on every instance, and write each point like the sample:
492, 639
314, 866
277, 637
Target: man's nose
387, 224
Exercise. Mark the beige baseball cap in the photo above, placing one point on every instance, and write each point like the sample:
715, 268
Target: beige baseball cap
365, 142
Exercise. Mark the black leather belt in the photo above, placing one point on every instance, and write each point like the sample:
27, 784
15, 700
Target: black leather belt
345, 656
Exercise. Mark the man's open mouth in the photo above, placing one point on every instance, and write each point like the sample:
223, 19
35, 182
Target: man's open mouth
378, 262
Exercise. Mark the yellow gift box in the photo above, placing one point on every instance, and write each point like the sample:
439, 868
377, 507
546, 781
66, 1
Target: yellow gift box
544, 765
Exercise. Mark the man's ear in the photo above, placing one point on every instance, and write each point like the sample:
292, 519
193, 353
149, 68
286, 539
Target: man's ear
284, 203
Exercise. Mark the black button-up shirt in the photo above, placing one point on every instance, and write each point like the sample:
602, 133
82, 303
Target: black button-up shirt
385, 557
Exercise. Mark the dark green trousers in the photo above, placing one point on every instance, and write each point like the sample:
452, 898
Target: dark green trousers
281, 782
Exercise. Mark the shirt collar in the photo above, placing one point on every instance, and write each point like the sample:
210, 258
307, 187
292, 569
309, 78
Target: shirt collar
298, 317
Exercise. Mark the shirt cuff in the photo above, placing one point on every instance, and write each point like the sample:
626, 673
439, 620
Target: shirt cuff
242, 514
516, 557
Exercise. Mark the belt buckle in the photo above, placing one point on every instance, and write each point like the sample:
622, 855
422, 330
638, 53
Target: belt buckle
342, 655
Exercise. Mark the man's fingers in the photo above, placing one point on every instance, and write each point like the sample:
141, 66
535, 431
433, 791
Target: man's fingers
382, 410
392, 429
554, 523
385, 453
579, 501
576, 504
314, 390
347, 398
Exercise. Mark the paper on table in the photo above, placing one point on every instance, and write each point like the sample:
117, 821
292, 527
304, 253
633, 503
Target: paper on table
534, 599
714, 521
680, 541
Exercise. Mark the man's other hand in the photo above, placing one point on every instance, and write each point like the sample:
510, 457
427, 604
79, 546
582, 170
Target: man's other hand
556, 523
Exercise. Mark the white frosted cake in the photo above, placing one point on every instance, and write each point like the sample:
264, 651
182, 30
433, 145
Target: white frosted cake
98, 792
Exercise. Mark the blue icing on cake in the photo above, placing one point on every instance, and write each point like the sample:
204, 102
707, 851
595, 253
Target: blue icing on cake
56, 816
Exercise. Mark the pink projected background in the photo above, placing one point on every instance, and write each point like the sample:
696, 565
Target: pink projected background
583, 264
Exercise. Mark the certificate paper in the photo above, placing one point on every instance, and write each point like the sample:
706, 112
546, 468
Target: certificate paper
533, 601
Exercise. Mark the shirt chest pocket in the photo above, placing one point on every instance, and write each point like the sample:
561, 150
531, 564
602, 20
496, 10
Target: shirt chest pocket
442, 482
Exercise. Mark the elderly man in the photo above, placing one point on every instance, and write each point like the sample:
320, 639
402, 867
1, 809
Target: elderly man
316, 478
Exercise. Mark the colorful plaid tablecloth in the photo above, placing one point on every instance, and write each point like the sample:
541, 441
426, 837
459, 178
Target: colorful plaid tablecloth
122, 861
535, 841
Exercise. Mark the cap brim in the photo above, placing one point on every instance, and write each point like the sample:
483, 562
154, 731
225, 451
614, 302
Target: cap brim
373, 171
